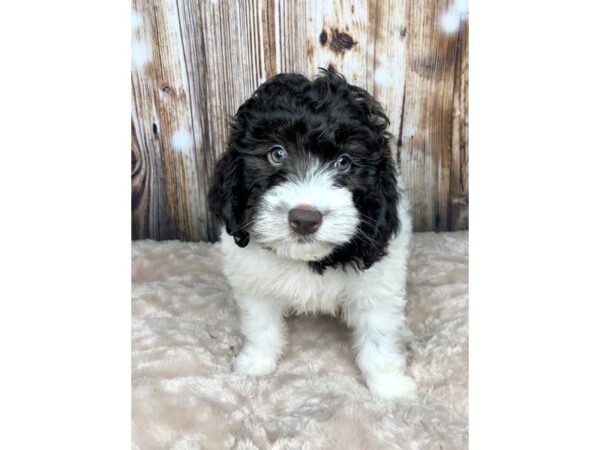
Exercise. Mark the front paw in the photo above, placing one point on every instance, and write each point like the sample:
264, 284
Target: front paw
395, 385
255, 362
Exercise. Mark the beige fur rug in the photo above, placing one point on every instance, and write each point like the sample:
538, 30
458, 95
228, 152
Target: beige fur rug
185, 337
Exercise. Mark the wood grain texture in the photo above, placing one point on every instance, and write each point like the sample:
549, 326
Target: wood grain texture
195, 62
426, 134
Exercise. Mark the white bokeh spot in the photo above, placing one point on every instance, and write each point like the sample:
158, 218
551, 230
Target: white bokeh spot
381, 76
140, 54
182, 141
450, 20
136, 20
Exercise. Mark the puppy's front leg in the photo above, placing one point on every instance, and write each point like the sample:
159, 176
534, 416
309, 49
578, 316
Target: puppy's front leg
263, 327
383, 365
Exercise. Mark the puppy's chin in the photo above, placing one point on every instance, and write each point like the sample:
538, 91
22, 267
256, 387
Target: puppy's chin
302, 249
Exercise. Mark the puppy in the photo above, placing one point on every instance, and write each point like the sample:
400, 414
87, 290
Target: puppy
309, 193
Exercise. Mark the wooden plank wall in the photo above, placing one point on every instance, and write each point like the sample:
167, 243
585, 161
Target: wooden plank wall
194, 62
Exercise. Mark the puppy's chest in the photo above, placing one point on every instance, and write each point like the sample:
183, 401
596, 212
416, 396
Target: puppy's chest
293, 283
310, 292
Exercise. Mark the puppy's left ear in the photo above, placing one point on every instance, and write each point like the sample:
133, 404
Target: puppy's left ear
225, 198
380, 216
379, 205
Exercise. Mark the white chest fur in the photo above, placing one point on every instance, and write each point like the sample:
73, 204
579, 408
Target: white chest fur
258, 272
254, 271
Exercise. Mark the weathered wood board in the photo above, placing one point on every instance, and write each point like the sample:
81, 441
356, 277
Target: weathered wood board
194, 62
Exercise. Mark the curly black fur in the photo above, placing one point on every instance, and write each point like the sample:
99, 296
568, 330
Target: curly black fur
325, 117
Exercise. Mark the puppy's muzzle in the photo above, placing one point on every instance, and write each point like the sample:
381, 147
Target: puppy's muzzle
305, 219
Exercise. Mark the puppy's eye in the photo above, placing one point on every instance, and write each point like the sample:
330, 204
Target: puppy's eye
277, 155
343, 163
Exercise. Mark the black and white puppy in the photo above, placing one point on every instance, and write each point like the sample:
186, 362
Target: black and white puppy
309, 191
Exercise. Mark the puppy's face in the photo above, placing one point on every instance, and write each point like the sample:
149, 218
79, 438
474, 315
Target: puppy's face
307, 211
308, 173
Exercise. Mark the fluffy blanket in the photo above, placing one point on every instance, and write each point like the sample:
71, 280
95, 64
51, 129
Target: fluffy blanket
185, 337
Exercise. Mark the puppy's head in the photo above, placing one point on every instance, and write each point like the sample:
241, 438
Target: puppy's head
308, 173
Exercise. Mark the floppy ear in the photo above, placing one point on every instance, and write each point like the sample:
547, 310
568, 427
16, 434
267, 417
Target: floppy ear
379, 208
380, 204
226, 199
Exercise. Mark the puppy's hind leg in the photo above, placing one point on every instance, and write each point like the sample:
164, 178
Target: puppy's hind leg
263, 327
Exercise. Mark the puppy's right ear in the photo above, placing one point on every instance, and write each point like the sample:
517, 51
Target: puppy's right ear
225, 198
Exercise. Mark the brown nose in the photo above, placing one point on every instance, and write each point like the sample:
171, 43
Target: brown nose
305, 219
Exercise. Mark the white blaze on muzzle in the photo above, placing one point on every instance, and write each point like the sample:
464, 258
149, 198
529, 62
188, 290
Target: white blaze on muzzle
315, 188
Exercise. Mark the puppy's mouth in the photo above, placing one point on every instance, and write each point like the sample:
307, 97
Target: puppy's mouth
305, 239
294, 239
298, 247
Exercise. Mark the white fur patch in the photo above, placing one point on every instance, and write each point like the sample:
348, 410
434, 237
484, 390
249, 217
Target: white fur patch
315, 188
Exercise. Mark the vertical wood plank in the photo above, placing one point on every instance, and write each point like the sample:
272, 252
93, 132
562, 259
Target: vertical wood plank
195, 55
269, 37
386, 56
169, 85
149, 215
291, 32
459, 180
176, 127
427, 123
